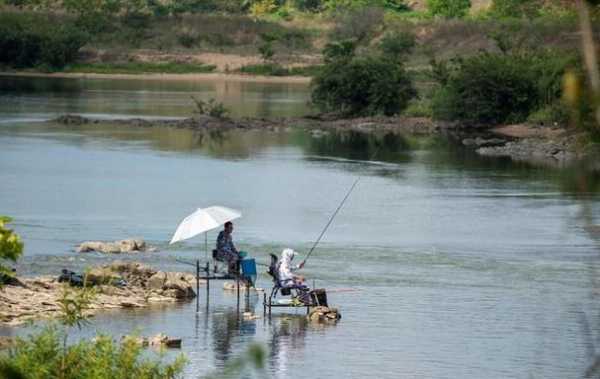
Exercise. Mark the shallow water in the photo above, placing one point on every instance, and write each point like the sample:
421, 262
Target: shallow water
446, 265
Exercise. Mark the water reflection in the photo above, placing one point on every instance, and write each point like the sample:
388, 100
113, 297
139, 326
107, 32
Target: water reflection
24, 96
358, 145
288, 334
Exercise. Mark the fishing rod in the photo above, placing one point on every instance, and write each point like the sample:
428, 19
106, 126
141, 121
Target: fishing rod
336, 212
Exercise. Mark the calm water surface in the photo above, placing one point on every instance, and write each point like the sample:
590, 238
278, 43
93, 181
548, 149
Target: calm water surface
445, 265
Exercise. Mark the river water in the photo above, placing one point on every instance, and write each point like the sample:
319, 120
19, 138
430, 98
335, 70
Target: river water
443, 264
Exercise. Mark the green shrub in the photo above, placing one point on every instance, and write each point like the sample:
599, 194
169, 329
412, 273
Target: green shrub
344, 5
359, 24
449, 8
210, 107
418, 108
554, 114
495, 88
266, 51
396, 45
11, 247
516, 8
31, 40
187, 39
362, 86
337, 50
42, 356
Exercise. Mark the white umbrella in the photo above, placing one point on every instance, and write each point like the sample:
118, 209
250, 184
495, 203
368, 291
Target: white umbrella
203, 220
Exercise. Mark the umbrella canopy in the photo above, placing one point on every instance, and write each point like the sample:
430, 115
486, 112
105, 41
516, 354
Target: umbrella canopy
203, 220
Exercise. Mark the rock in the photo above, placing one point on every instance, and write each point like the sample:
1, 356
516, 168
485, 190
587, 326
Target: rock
101, 275
481, 142
69, 119
157, 281
117, 247
324, 314
469, 142
120, 285
172, 284
160, 340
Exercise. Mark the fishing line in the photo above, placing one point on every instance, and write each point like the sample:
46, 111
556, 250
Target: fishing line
336, 212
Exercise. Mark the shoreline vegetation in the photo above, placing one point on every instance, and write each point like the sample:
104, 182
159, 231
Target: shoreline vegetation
477, 63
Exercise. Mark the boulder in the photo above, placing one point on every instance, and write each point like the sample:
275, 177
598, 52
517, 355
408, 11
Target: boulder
117, 247
161, 340
324, 314
171, 284
101, 275
157, 281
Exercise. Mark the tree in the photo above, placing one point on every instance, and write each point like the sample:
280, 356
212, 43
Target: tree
362, 86
11, 246
449, 8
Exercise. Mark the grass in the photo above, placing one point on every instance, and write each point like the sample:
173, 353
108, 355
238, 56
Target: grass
275, 69
139, 68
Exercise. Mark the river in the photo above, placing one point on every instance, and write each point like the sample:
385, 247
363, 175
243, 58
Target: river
443, 264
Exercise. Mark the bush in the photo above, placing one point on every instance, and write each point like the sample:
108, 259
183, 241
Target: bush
339, 50
362, 86
11, 247
41, 356
516, 8
266, 51
396, 45
554, 114
344, 5
496, 88
449, 8
210, 107
30, 41
358, 24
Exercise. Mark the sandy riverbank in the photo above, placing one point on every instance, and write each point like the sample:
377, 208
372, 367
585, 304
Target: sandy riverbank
170, 77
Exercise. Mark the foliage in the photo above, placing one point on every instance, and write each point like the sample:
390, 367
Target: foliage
11, 246
344, 5
553, 114
396, 45
73, 303
263, 7
253, 358
41, 356
339, 50
362, 86
266, 51
359, 24
210, 107
187, 38
420, 107
496, 88
516, 8
449, 8
32, 40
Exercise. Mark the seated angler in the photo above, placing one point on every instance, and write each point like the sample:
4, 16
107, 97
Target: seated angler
226, 251
287, 277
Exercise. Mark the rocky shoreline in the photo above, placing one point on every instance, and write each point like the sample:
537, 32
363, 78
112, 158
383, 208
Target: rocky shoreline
139, 286
549, 146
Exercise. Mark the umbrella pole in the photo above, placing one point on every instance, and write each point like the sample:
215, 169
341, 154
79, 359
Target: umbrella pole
197, 285
206, 248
